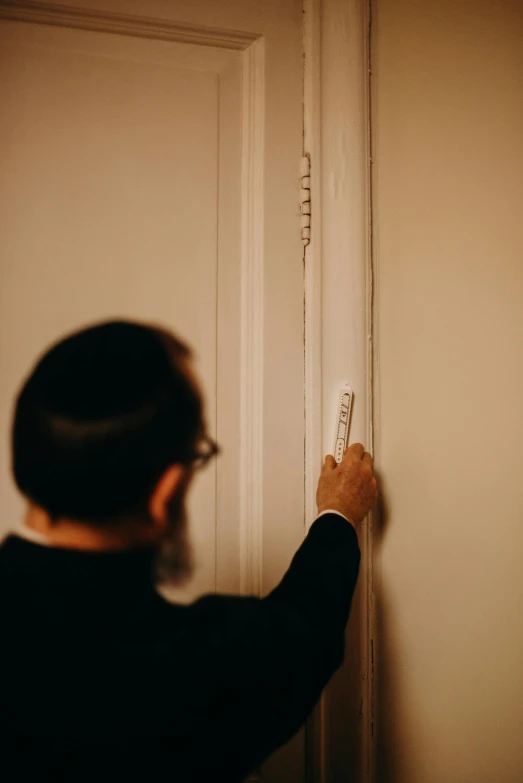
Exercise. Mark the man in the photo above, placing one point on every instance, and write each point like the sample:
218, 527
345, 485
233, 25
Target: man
103, 680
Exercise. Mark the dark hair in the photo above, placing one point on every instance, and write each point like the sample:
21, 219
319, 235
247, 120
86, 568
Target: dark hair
102, 415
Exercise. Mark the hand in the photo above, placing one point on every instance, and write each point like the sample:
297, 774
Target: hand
349, 487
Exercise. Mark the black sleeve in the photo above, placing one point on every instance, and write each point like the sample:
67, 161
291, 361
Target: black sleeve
309, 610
322, 576
288, 645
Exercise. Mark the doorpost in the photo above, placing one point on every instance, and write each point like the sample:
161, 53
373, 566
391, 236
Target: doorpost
338, 344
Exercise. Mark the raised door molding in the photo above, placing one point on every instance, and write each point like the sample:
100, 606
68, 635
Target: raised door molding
252, 322
124, 24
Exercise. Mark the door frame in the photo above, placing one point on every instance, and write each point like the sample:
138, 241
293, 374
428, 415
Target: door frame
337, 290
338, 299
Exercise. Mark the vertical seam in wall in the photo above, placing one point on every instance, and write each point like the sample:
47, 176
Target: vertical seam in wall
304, 261
371, 619
308, 739
216, 333
314, 745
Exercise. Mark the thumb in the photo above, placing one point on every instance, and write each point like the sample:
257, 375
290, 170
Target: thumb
329, 464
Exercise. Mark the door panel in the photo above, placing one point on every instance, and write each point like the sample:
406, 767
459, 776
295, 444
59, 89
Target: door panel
150, 170
110, 208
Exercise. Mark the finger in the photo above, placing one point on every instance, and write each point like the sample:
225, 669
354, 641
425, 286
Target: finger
329, 464
356, 451
367, 459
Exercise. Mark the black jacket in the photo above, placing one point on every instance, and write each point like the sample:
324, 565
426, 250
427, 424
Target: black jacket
103, 680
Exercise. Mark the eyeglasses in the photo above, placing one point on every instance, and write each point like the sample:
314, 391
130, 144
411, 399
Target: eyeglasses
205, 451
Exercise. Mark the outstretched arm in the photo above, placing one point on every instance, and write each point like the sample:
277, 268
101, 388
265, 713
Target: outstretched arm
293, 640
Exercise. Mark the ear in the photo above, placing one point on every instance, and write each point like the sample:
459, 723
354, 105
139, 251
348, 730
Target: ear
162, 493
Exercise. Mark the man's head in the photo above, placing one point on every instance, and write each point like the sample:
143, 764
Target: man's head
107, 428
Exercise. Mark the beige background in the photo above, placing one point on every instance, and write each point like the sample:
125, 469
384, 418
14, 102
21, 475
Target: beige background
447, 114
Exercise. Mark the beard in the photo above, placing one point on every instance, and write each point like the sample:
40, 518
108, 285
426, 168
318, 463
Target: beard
175, 559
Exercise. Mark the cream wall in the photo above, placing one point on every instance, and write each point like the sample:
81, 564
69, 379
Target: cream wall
447, 117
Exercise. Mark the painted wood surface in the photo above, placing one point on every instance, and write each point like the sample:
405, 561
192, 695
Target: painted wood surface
338, 348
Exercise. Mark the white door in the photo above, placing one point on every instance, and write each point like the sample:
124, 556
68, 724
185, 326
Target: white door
150, 169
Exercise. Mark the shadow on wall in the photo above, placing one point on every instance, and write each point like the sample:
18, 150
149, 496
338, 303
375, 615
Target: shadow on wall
387, 746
